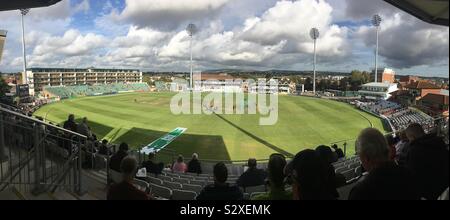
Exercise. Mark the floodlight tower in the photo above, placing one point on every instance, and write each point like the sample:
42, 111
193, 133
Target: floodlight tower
192, 30
376, 21
24, 12
314, 35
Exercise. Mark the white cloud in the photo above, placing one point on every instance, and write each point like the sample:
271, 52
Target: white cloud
292, 21
407, 42
71, 49
168, 15
84, 6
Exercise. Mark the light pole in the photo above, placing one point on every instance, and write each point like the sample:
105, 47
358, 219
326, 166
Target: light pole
376, 21
314, 35
24, 12
191, 29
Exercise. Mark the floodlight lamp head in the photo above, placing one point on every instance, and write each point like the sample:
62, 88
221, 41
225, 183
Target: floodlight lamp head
314, 33
376, 20
24, 11
191, 29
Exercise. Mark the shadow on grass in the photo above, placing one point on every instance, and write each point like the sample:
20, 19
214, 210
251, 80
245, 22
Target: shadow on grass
207, 146
256, 138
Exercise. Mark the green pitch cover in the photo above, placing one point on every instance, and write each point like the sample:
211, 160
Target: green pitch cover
164, 141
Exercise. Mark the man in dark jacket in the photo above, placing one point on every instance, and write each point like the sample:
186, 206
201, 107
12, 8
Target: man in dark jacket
117, 158
338, 151
253, 176
151, 166
125, 190
428, 160
220, 190
70, 124
386, 180
194, 165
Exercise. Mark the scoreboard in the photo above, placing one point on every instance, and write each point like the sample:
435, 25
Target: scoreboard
23, 91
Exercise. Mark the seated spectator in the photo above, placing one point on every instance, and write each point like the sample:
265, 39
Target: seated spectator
83, 129
428, 160
103, 148
277, 190
126, 190
70, 124
179, 166
310, 176
220, 190
391, 144
386, 180
338, 151
194, 165
326, 154
253, 176
151, 166
116, 159
400, 148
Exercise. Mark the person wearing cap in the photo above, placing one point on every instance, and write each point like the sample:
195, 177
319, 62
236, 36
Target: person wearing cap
253, 176
194, 165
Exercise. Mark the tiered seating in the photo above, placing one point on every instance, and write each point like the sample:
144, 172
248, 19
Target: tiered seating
402, 119
350, 168
94, 90
178, 186
381, 107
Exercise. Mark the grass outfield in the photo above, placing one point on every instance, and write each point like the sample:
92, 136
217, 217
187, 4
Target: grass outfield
303, 123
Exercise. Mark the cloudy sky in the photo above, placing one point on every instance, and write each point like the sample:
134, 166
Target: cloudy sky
245, 34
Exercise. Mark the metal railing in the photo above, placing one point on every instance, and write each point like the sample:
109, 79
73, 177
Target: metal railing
38, 157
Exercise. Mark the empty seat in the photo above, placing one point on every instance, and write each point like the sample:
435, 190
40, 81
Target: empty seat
349, 174
172, 185
181, 180
256, 194
253, 189
341, 170
161, 191
183, 195
246, 196
190, 187
197, 182
141, 185
166, 178
173, 175
358, 171
154, 180
354, 165
201, 178
444, 195
189, 177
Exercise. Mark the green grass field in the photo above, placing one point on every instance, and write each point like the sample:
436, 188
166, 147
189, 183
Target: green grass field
140, 118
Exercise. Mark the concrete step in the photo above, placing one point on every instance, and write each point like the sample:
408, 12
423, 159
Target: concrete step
86, 196
62, 195
40, 197
9, 195
98, 176
94, 187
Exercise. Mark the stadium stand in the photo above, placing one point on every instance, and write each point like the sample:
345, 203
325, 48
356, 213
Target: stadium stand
65, 92
398, 116
66, 153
